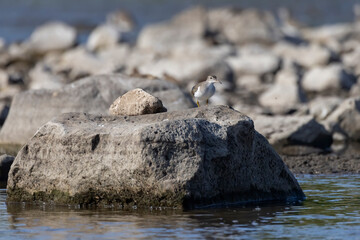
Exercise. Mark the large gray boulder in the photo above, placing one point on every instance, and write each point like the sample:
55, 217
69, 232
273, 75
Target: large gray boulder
31, 109
182, 159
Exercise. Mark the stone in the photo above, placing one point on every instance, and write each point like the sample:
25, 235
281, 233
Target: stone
78, 63
200, 157
4, 79
5, 164
52, 36
254, 64
103, 36
346, 119
188, 69
287, 131
31, 109
325, 33
136, 102
307, 56
284, 95
322, 107
42, 77
331, 77
244, 26
122, 20
185, 27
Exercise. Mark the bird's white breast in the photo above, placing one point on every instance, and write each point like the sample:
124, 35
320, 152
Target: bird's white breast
204, 93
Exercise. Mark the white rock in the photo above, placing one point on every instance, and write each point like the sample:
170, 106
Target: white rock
103, 36
284, 95
257, 64
321, 107
52, 36
42, 77
305, 55
325, 33
330, 77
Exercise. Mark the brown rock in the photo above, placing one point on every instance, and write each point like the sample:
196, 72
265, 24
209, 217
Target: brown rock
136, 102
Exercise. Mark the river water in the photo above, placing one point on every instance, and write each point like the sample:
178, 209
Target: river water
331, 211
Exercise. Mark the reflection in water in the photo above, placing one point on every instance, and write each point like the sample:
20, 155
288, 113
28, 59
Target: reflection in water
332, 210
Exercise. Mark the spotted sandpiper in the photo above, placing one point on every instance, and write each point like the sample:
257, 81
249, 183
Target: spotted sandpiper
204, 90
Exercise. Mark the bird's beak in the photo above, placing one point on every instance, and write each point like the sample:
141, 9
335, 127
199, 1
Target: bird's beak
219, 81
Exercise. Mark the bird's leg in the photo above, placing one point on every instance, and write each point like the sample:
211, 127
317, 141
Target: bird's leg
197, 102
207, 102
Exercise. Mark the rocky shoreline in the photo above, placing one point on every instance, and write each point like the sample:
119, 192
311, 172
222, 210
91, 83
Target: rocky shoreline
299, 85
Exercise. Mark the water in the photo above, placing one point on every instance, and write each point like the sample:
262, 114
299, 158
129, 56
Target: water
332, 211
19, 18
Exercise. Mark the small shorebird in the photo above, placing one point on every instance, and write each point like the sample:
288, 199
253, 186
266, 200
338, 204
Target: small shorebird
204, 90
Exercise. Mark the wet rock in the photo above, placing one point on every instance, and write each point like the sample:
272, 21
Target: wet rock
322, 107
244, 26
331, 77
185, 27
346, 119
103, 36
52, 36
307, 56
284, 95
185, 159
285, 131
136, 102
5, 164
31, 109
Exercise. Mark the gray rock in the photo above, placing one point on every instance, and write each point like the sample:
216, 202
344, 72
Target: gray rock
52, 36
136, 102
185, 27
331, 77
31, 109
5, 164
285, 131
244, 26
191, 158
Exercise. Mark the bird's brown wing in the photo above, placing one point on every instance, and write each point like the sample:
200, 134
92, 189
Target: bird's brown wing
194, 89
